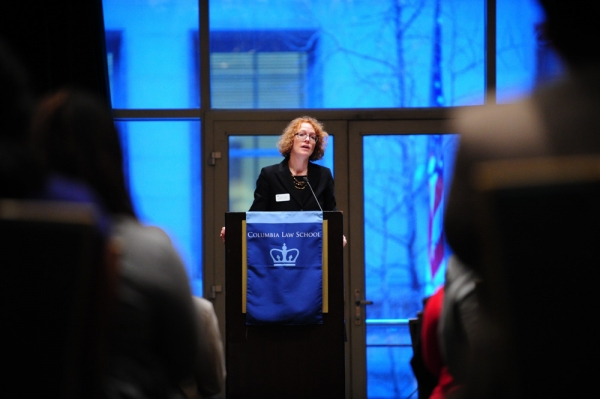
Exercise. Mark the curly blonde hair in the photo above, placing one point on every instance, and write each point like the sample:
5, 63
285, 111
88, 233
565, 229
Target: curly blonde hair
286, 140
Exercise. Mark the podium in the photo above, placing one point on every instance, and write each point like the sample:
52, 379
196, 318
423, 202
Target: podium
285, 361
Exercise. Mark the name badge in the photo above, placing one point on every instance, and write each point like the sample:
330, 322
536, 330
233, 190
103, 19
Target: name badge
282, 197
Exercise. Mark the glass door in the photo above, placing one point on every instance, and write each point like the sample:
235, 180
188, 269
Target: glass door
398, 253
236, 151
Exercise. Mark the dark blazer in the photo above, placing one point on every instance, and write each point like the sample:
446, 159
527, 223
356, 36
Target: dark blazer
275, 190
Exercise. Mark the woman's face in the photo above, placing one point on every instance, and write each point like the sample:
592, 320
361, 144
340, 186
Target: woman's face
304, 146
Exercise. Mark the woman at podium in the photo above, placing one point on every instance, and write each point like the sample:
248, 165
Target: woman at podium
296, 183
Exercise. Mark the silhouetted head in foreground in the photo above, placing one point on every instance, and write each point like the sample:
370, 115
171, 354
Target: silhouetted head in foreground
572, 29
73, 134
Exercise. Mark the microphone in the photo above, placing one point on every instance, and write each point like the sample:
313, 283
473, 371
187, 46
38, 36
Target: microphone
305, 178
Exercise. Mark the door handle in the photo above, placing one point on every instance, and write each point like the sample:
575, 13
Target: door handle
214, 289
359, 303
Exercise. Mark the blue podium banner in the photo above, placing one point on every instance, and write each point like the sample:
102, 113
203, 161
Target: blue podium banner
284, 271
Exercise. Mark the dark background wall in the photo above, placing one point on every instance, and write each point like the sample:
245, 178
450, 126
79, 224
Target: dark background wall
60, 42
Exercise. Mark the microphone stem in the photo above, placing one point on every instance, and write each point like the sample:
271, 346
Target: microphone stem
313, 193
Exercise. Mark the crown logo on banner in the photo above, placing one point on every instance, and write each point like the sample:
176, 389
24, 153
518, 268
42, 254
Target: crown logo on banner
284, 256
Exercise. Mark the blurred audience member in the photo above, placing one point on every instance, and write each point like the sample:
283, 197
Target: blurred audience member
67, 361
559, 119
208, 378
21, 175
459, 319
153, 341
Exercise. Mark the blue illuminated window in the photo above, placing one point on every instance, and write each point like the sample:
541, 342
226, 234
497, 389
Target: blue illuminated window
258, 69
360, 54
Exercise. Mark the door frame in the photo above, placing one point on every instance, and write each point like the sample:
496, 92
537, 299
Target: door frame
358, 129
348, 127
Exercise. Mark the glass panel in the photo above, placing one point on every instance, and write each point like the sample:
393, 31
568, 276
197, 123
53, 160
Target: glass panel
523, 59
152, 49
405, 181
162, 163
247, 155
359, 54
258, 80
388, 347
